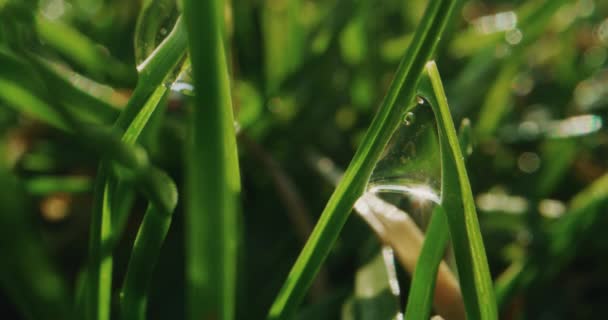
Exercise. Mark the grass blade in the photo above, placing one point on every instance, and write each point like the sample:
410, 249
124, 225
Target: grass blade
422, 289
212, 171
401, 92
152, 72
149, 240
83, 51
448, 301
458, 202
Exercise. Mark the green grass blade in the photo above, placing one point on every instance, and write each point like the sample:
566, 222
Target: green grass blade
400, 94
212, 171
78, 99
447, 303
24, 101
139, 122
424, 278
44, 185
83, 51
152, 73
99, 271
458, 202
146, 249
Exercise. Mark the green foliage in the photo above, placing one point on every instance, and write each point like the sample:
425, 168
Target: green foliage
247, 109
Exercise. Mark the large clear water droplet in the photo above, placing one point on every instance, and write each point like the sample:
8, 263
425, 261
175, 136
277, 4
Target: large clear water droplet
404, 187
411, 157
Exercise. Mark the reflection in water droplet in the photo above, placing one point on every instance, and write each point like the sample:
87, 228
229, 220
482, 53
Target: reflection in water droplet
183, 84
183, 87
409, 118
418, 193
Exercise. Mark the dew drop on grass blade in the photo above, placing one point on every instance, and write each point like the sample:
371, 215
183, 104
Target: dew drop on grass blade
154, 22
405, 184
404, 192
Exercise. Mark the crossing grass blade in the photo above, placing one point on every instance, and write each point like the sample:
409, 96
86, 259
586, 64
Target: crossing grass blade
400, 93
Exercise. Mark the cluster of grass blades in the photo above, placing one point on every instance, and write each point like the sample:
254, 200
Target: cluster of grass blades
164, 171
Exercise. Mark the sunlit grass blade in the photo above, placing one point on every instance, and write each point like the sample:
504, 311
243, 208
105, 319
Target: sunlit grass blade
400, 94
459, 205
212, 171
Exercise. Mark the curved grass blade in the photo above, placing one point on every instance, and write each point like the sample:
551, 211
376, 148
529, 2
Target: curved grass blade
146, 249
336, 212
212, 171
459, 205
152, 72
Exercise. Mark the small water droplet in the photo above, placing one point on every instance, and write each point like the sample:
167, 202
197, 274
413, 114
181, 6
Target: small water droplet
163, 31
420, 100
409, 118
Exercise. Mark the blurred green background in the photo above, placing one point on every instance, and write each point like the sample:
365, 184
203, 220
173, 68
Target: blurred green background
307, 76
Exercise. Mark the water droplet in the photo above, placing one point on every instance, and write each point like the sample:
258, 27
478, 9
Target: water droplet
407, 175
419, 100
409, 118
